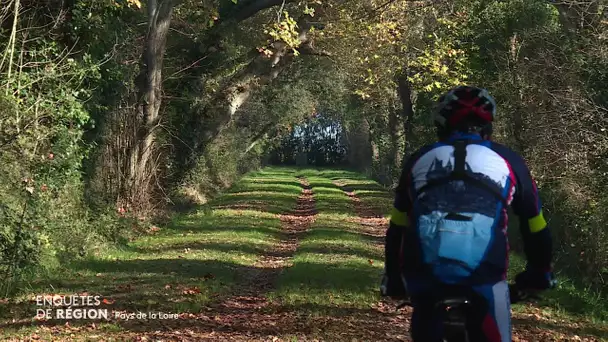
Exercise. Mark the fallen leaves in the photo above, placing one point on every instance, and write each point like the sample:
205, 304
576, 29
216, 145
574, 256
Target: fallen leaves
191, 291
108, 301
246, 313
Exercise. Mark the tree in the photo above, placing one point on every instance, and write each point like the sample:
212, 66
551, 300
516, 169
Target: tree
149, 83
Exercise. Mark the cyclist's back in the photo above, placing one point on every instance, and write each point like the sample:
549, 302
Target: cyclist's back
448, 226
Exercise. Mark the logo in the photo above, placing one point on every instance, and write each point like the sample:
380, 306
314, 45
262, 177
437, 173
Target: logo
80, 307
88, 307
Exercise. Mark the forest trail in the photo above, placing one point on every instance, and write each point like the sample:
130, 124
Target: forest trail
284, 255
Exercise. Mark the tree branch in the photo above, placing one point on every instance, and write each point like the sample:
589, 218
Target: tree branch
243, 11
253, 7
261, 71
256, 139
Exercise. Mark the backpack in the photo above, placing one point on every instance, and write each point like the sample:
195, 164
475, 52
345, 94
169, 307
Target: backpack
454, 243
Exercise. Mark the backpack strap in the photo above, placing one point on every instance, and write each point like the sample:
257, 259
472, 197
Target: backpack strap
459, 173
460, 156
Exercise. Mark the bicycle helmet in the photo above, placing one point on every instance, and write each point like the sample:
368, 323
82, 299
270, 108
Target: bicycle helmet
465, 107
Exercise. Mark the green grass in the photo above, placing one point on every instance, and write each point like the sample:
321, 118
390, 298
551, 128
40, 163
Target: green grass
335, 273
568, 300
208, 251
571, 300
336, 267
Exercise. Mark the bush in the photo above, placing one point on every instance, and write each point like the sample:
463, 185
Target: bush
222, 164
41, 190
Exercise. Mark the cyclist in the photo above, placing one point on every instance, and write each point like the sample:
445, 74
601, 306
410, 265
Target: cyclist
448, 227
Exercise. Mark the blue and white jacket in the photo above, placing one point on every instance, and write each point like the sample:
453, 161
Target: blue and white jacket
449, 220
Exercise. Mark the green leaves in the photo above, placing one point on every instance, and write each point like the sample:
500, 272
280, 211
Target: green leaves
285, 31
309, 11
135, 3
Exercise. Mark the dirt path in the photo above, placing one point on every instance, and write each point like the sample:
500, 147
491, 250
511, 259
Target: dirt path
248, 314
394, 324
372, 220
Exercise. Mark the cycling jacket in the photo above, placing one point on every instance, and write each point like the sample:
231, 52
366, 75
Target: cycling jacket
449, 220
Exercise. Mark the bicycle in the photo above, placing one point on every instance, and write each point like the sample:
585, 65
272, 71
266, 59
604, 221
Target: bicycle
455, 312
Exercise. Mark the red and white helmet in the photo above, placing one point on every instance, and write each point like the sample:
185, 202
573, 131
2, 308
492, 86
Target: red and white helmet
465, 104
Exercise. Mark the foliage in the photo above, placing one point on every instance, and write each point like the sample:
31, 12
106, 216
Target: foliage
523, 52
43, 121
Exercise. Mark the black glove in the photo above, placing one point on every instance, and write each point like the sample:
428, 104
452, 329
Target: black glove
535, 280
393, 287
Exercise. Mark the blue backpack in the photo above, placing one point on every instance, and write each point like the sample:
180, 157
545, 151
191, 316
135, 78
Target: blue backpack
454, 239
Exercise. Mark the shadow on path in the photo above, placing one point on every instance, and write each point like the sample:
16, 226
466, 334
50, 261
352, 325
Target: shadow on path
245, 313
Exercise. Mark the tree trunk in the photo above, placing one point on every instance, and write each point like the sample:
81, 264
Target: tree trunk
407, 113
518, 119
149, 83
393, 158
580, 15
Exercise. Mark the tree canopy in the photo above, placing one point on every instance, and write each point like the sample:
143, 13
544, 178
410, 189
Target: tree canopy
112, 111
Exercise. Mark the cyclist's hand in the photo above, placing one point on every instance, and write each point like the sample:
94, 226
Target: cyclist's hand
535, 280
518, 294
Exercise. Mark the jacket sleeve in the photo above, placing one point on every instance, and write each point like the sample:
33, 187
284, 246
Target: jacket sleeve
527, 205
